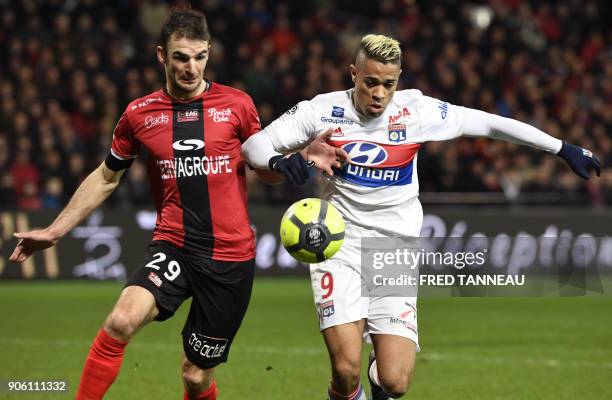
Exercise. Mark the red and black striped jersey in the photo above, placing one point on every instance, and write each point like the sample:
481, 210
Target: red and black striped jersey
195, 168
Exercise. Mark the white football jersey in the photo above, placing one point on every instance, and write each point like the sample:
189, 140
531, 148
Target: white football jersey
379, 187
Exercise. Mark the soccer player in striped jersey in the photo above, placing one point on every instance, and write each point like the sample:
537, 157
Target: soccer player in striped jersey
203, 246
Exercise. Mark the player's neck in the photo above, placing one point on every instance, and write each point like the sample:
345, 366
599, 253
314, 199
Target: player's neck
360, 113
182, 95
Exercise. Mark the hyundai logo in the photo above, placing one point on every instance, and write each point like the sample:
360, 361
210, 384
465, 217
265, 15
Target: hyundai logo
188, 144
365, 153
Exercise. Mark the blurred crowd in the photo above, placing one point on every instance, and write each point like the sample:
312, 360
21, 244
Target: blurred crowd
68, 68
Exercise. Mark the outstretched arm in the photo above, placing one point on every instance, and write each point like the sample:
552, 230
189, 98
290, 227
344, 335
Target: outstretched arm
481, 124
290, 142
259, 151
89, 195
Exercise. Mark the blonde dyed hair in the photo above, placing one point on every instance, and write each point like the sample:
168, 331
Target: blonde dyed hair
380, 48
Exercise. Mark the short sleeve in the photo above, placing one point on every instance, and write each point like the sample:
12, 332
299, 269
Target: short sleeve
124, 145
440, 120
249, 121
294, 129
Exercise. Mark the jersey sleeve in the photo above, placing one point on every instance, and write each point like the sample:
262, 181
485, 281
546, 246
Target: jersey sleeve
124, 147
440, 120
294, 129
249, 120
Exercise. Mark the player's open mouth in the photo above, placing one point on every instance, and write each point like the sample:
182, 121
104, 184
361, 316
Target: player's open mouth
190, 80
376, 107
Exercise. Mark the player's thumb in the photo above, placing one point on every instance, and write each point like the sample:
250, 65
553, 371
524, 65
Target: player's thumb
327, 134
33, 235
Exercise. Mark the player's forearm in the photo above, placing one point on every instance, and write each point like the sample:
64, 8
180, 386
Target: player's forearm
481, 124
258, 150
89, 195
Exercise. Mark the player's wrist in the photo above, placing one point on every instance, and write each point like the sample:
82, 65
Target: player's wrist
304, 153
54, 233
563, 150
293, 167
272, 163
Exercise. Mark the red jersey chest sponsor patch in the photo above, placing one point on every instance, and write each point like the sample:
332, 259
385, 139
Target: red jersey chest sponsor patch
188, 115
220, 114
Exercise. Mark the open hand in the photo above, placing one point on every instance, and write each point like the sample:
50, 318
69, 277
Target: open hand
323, 155
31, 242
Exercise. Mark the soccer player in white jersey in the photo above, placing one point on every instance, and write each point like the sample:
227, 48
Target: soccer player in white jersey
381, 129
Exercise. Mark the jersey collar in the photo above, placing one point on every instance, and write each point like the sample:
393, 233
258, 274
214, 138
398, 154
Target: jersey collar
207, 89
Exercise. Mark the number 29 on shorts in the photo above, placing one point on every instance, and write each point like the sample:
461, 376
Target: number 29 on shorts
174, 269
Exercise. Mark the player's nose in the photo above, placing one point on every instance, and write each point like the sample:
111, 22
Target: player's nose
190, 65
378, 94
378, 98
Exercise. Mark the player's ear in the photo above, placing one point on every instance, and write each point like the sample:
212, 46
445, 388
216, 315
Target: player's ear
161, 54
353, 72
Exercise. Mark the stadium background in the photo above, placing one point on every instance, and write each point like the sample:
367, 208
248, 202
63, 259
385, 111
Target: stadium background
68, 68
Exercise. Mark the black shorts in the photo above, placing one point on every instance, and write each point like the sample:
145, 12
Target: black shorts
221, 292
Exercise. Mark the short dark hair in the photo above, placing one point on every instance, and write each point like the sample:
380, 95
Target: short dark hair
184, 22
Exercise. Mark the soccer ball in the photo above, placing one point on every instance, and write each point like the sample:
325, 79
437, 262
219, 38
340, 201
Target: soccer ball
312, 230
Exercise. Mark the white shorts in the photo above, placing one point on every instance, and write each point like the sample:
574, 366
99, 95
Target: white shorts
336, 285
